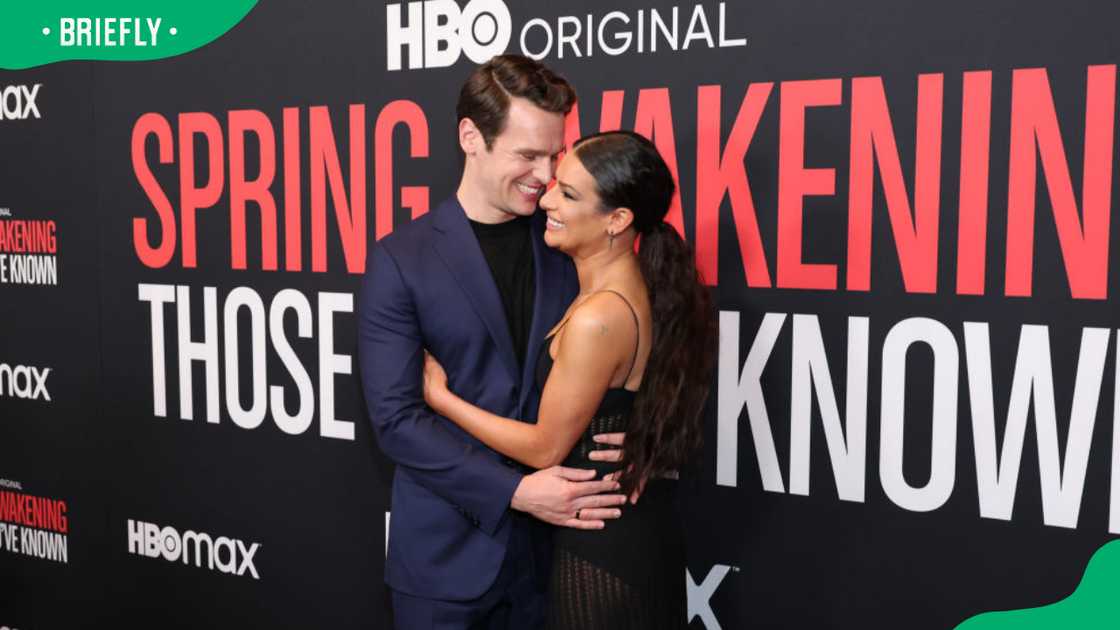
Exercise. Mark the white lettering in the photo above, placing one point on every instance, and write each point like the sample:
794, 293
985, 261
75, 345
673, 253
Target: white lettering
441, 22
943, 441
224, 554
443, 32
543, 52
290, 299
26, 382
398, 36
723, 41
252, 417
205, 351
157, 295
66, 32
699, 19
625, 36
737, 391
153, 28
245, 304
1034, 382
811, 373
18, 102
563, 36
331, 364
700, 596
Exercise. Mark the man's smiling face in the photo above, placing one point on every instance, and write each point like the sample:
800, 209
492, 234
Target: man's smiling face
513, 173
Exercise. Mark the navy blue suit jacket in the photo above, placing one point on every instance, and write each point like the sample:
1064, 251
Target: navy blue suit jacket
428, 286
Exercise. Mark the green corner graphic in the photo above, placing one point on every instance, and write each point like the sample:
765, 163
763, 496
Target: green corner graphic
1094, 604
37, 33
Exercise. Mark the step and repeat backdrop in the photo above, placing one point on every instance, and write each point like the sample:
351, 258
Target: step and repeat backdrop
902, 208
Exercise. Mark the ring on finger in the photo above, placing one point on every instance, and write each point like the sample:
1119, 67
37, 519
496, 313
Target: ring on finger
577, 513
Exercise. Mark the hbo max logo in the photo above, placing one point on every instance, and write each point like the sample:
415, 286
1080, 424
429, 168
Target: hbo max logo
17, 102
222, 554
25, 382
437, 32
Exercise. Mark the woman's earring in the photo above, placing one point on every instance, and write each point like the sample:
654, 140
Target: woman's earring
611, 235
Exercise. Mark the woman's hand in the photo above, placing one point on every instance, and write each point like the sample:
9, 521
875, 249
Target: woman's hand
435, 383
614, 455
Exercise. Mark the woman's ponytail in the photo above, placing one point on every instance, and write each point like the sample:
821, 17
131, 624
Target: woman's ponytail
666, 426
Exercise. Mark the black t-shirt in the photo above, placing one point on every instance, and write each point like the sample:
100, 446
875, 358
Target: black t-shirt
508, 250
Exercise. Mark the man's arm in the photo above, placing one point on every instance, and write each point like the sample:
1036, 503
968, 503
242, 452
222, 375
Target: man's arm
391, 356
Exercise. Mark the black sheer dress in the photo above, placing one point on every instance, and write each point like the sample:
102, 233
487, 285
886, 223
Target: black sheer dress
631, 574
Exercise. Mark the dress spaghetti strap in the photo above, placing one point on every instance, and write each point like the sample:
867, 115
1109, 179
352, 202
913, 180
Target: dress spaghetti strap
637, 332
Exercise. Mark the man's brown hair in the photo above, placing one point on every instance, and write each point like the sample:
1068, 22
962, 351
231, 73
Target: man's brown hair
486, 95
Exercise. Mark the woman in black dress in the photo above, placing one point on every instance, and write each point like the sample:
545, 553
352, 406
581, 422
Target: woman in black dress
633, 353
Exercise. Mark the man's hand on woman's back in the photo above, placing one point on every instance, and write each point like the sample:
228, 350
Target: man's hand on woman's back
568, 497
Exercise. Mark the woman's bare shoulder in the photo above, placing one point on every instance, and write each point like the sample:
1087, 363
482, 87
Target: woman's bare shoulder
605, 314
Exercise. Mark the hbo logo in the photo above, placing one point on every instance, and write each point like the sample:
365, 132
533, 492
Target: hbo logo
438, 32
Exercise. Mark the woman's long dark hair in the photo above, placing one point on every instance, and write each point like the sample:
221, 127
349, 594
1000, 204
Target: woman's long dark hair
667, 425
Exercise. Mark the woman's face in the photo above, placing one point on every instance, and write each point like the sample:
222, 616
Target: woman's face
576, 224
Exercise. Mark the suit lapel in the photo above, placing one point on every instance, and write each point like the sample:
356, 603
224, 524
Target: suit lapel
459, 249
550, 299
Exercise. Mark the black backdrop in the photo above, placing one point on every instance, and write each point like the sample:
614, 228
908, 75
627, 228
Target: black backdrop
920, 541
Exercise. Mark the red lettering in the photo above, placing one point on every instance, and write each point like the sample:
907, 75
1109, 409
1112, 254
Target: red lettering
50, 242
350, 213
192, 198
1083, 238
795, 182
571, 131
241, 190
915, 235
719, 173
293, 228
972, 228
413, 197
32, 511
153, 256
610, 115
35, 237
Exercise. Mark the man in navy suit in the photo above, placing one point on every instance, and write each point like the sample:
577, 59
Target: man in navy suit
473, 283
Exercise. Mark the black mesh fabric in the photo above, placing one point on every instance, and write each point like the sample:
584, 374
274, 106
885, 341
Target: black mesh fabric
631, 574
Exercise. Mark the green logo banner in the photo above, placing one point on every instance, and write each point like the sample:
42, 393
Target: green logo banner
37, 33
1094, 604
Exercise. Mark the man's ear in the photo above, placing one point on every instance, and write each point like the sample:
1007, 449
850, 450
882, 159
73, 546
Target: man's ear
470, 138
